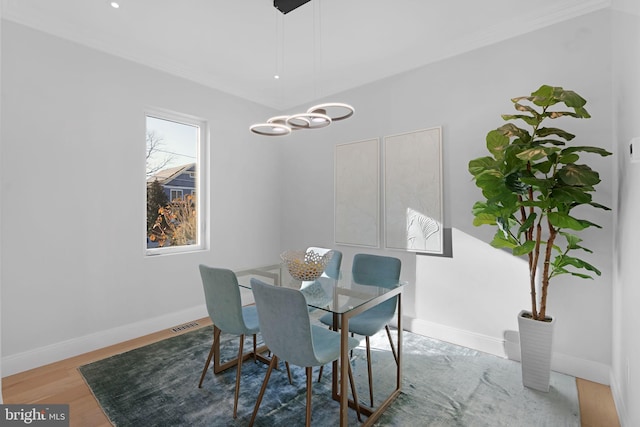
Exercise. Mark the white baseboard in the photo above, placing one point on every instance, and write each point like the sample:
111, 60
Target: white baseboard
621, 409
41, 356
566, 364
461, 337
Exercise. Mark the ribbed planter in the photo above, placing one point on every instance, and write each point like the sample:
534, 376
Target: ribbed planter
536, 340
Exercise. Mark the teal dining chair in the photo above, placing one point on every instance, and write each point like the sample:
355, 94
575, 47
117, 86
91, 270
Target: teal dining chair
287, 330
374, 270
224, 304
332, 269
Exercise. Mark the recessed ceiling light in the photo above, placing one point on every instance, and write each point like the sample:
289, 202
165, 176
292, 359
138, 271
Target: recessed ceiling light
115, 5
276, 77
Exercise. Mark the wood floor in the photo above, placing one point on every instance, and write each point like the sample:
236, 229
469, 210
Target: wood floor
61, 382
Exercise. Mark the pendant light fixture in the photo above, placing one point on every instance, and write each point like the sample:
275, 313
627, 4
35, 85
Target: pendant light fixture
338, 110
309, 120
316, 117
270, 129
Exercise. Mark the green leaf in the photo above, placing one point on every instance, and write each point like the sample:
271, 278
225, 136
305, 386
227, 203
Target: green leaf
479, 207
561, 220
543, 96
503, 225
549, 141
528, 223
521, 107
580, 175
524, 249
575, 101
542, 204
513, 183
587, 224
510, 130
536, 153
557, 114
565, 260
543, 167
481, 164
581, 275
531, 121
542, 184
570, 194
586, 149
568, 158
491, 183
544, 132
558, 271
500, 242
484, 219
497, 143
572, 242
599, 206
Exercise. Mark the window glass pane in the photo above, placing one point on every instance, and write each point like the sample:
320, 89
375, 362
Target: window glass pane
173, 180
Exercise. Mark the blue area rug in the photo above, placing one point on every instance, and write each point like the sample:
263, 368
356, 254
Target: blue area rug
443, 385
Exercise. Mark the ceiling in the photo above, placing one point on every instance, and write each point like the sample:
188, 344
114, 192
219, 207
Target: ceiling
321, 48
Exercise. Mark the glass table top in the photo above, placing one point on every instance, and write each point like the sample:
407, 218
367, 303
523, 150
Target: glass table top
334, 295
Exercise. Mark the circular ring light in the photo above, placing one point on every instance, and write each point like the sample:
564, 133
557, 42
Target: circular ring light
309, 121
282, 120
335, 110
278, 120
270, 129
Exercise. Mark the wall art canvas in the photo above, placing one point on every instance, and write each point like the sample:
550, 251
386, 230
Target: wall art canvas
357, 194
413, 191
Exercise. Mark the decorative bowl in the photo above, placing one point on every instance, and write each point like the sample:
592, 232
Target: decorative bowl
305, 265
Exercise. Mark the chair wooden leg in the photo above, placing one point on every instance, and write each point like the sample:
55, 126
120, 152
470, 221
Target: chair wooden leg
206, 365
255, 348
217, 368
351, 352
238, 372
288, 372
274, 362
309, 370
331, 328
393, 347
369, 370
354, 392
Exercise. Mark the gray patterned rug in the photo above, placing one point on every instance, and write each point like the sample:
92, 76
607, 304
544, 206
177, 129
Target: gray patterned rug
443, 385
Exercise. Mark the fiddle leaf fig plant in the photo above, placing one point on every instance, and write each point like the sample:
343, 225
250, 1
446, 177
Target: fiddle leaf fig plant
531, 182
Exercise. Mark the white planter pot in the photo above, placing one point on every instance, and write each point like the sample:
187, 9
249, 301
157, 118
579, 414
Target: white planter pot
536, 340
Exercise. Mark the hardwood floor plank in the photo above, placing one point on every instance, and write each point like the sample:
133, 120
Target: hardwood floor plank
596, 405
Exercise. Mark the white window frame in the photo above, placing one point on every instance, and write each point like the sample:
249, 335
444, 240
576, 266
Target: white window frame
202, 178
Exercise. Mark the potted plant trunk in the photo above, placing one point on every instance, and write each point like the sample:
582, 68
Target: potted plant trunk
531, 182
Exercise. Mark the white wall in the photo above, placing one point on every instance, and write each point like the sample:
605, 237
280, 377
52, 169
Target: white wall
473, 298
626, 341
74, 276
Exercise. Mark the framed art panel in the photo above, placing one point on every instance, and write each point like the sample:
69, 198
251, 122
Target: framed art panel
413, 191
357, 180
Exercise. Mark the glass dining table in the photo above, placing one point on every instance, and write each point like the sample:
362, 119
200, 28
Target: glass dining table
344, 298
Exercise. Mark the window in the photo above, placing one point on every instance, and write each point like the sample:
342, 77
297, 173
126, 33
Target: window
175, 182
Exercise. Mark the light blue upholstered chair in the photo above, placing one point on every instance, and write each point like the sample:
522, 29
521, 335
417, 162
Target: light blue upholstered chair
287, 330
332, 269
380, 271
224, 304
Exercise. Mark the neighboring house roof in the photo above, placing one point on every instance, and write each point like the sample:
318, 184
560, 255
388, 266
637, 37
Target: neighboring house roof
165, 176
